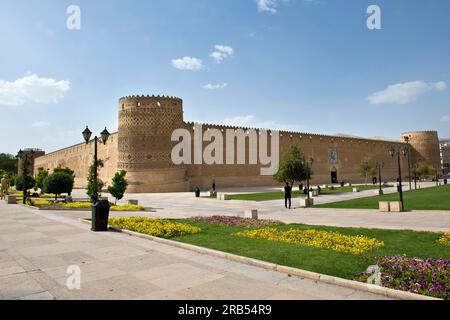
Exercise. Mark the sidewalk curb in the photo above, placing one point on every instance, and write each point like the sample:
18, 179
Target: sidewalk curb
390, 293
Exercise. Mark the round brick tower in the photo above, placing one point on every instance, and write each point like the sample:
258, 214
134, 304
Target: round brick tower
146, 124
425, 147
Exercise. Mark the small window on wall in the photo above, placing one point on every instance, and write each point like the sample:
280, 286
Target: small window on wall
123, 106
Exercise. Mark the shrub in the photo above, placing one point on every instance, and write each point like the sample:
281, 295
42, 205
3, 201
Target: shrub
316, 238
24, 183
428, 277
445, 239
40, 178
154, 227
57, 183
119, 185
237, 221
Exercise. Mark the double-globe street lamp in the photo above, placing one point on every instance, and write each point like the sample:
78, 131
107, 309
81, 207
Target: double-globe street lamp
406, 138
308, 163
379, 166
87, 137
398, 151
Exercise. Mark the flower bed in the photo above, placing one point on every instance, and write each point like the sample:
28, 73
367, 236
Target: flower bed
237, 221
154, 227
445, 239
428, 277
316, 238
48, 204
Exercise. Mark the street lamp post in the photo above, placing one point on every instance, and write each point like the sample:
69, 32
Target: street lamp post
309, 164
380, 164
392, 151
104, 135
409, 162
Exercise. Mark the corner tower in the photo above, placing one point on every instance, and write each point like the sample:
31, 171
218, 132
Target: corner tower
146, 124
425, 147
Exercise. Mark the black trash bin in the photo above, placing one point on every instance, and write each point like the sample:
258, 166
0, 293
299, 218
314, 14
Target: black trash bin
100, 215
342, 183
398, 188
445, 181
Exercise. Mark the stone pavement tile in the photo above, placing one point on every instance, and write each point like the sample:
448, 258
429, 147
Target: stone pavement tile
113, 252
316, 288
177, 276
62, 259
53, 227
18, 285
29, 243
231, 287
39, 296
9, 268
61, 233
142, 262
22, 236
46, 249
163, 295
79, 237
121, 287
90, 271
15, 230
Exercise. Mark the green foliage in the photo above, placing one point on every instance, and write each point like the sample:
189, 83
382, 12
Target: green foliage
292, 167
93, 194
367, 167
424, 169
8, 163
119, 185
39, 178
57, 183
24, 183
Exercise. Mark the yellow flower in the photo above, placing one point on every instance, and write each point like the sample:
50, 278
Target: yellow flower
316, 238
154, 227
445, 239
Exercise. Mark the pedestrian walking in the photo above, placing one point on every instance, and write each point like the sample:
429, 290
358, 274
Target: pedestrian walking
287, 195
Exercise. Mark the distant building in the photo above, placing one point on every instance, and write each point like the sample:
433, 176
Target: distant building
143, 145
445, 156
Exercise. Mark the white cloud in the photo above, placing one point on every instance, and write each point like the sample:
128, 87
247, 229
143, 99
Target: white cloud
34, 89
221, 52
267, 6
211, 86
403, 93
445, 118
187, 63
250, 121
40, 124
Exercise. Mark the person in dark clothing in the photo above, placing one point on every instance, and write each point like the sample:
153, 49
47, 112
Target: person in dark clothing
305, 191
214, 185
287, 195
319, 189
197, 192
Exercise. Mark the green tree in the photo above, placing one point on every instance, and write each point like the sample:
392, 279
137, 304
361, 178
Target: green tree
367, 168
94, 195
39, 178
8, 163
58, 183
292, 167
67, 171
424, 169
24, 183
119, 185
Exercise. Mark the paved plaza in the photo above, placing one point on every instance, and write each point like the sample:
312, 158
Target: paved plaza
185, 205
36, 248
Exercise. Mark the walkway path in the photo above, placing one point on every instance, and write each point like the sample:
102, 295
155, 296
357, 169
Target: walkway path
185, 205
36, 248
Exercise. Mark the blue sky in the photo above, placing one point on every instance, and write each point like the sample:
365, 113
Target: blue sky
306, 65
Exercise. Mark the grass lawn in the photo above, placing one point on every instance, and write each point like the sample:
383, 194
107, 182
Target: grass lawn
344, 265
278, 195
436, 198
